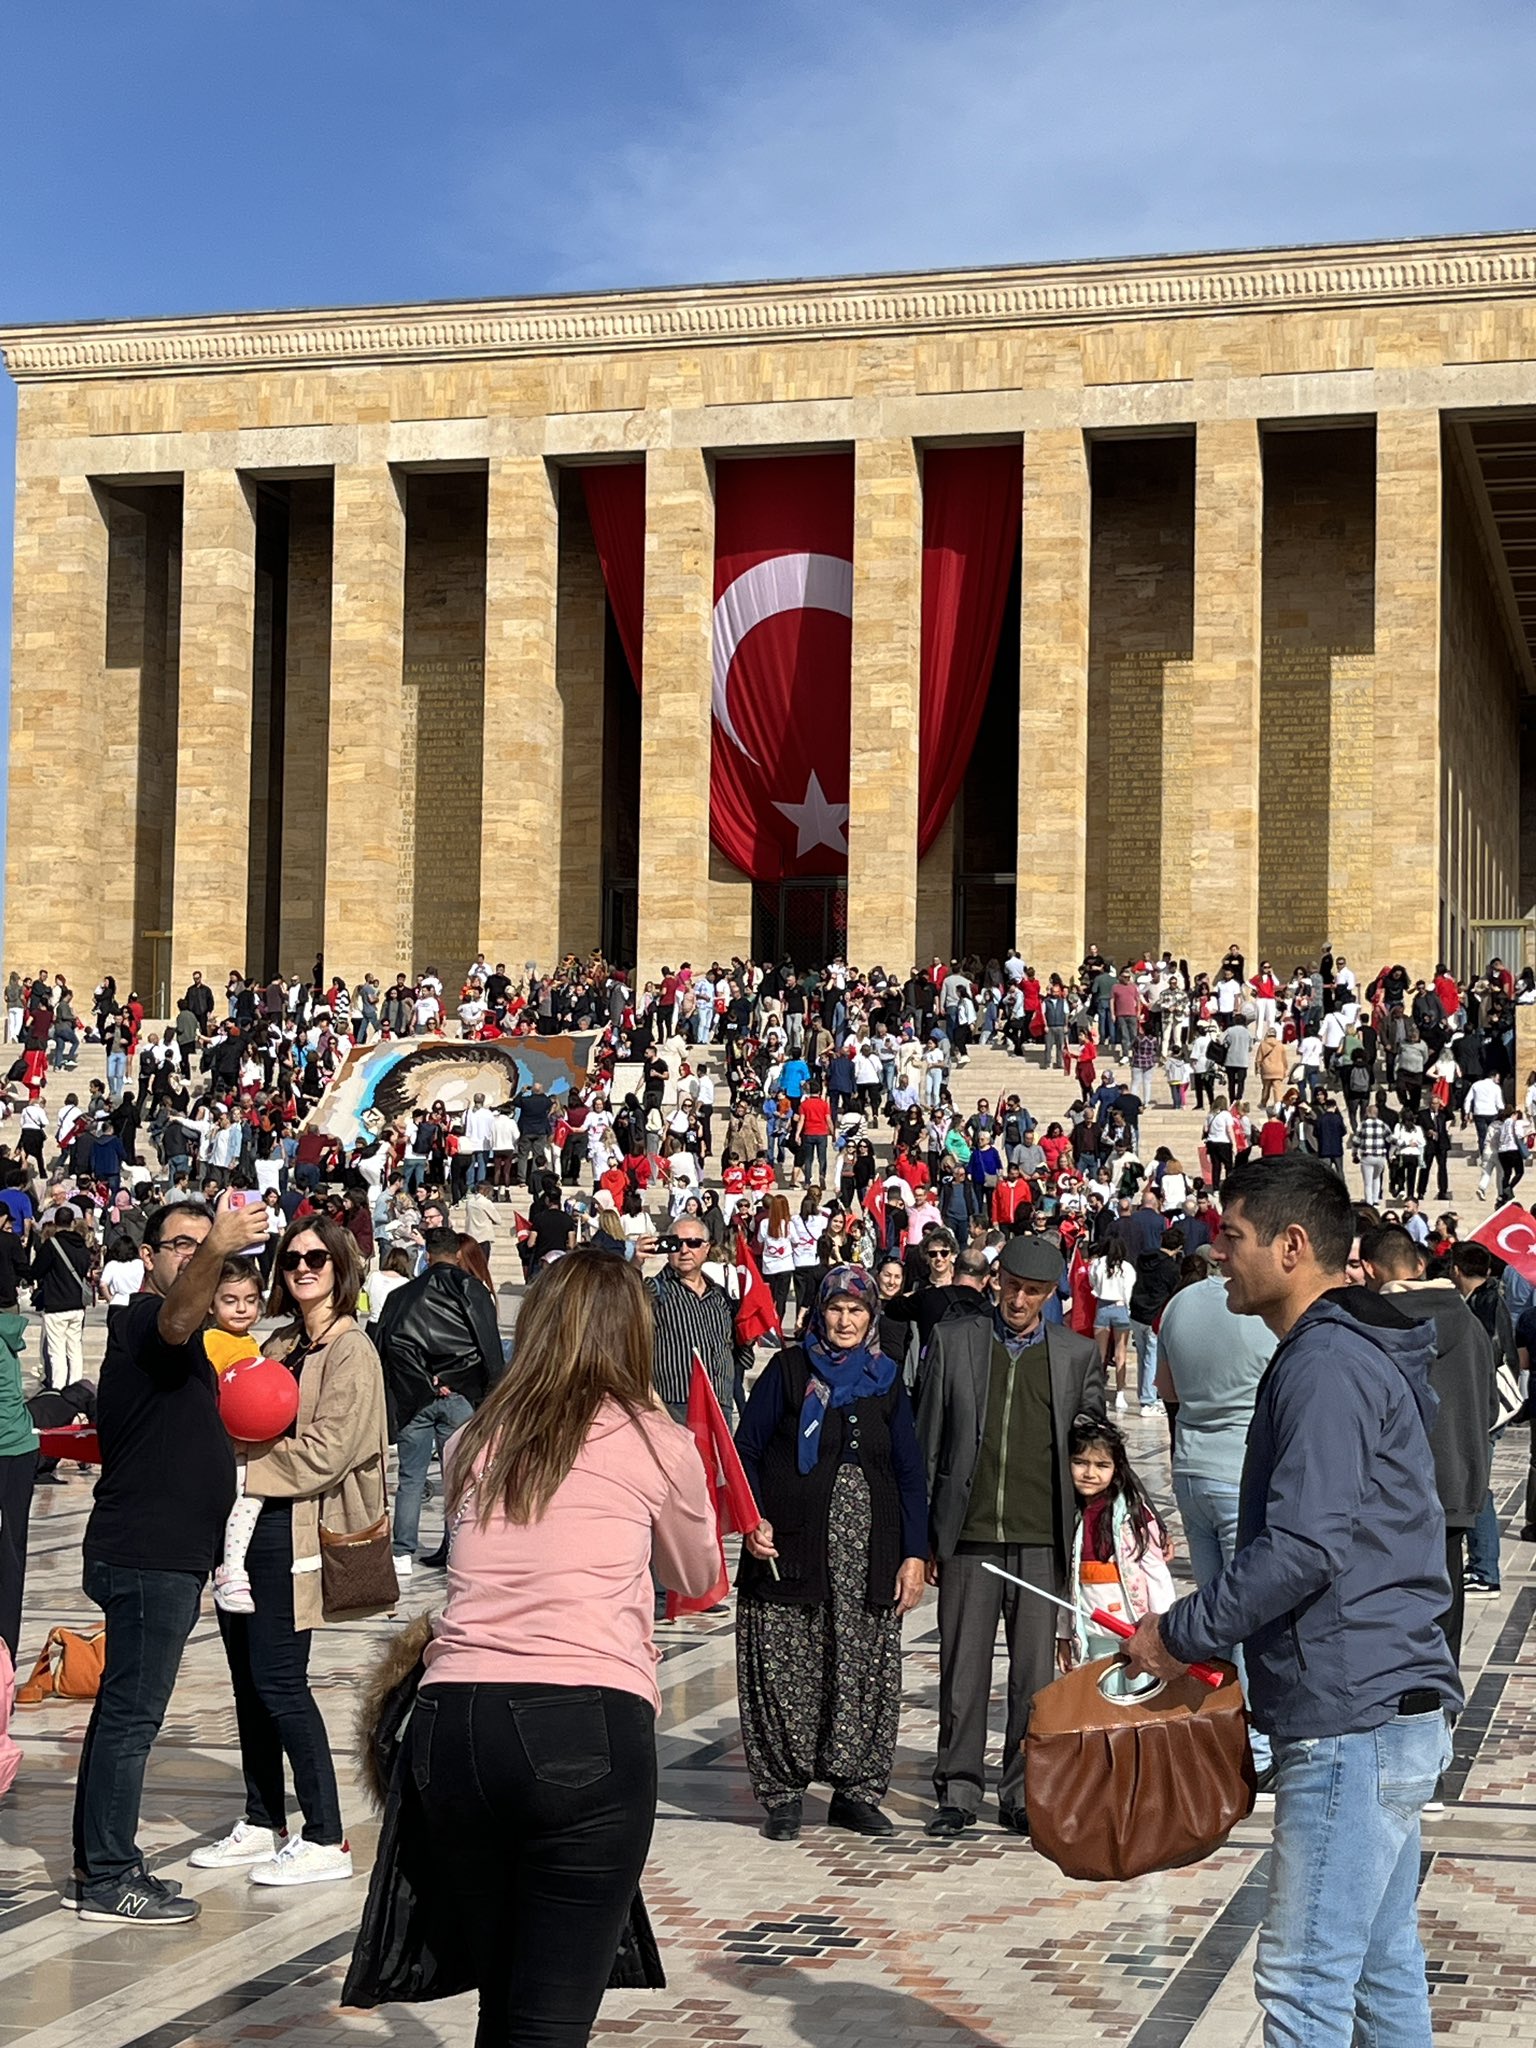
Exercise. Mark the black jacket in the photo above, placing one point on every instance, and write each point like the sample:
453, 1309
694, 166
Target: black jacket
439, 1330
1461, 1374
60, 1265
15, 1266
1157, 1282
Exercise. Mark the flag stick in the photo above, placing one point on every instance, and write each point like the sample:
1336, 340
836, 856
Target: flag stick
1116, 1626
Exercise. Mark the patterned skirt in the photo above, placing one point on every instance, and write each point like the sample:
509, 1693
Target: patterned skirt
820, 1687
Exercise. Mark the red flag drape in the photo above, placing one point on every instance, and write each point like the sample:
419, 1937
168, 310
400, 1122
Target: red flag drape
736, 1509
783, 598
615, 495
971, 505
782, 642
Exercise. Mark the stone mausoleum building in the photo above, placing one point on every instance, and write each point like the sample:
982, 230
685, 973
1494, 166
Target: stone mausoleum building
328, 636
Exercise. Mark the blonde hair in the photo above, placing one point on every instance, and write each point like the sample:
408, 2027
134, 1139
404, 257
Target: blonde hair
584, 1336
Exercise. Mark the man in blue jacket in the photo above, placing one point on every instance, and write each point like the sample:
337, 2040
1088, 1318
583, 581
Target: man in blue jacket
1335, 1593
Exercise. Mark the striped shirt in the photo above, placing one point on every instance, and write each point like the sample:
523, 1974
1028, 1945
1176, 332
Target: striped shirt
687, 1323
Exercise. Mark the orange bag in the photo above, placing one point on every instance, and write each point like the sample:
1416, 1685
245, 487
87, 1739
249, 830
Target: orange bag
1117, 1784
77, 1675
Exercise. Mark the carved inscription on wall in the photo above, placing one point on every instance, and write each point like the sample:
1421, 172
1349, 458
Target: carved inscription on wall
1134, 842
1294, 788
446, 701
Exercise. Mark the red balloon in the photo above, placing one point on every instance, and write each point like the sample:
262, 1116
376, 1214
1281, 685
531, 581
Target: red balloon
258, 1400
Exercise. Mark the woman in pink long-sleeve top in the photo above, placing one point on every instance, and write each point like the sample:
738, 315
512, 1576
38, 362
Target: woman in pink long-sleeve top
533, 1741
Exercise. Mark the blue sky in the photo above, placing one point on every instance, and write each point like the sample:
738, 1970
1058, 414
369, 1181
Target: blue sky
192, 155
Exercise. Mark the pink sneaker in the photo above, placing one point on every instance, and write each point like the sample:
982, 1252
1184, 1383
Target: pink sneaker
232, 1591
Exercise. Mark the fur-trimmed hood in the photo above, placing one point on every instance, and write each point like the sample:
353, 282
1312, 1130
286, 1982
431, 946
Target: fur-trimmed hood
388, 1694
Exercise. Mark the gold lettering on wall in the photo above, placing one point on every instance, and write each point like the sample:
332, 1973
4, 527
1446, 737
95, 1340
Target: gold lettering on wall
447, 706
1134, 841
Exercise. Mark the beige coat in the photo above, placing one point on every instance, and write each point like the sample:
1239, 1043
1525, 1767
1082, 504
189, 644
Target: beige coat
332, 1467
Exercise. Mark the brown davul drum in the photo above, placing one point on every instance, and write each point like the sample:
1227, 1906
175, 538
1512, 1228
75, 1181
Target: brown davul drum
1124, 1775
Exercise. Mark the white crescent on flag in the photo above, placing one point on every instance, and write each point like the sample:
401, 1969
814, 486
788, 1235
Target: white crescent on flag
782, 583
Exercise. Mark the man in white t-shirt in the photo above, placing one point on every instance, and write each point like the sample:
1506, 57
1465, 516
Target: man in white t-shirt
477, 1142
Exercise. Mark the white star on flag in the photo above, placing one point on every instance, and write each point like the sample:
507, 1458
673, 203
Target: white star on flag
816, 822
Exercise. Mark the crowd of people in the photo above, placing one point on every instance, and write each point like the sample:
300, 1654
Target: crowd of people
967, 1312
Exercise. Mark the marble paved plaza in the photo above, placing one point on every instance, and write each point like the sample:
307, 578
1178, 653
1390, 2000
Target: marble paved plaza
830, 1942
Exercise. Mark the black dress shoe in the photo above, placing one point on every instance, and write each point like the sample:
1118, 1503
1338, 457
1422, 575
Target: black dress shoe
1014, 1819
949, 1821
783, 1822
859, 1816
438, 1558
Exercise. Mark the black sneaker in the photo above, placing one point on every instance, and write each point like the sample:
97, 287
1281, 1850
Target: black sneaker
949, 1821
1264, 1785
140, 1902
69, 1891
1479, 1589
1014, 1819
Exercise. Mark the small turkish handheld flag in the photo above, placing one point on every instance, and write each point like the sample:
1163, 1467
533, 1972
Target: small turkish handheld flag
736, 1510
1510, 1234
756, 1315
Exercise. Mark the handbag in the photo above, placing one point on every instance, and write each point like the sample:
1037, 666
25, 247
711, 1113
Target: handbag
407, 1950
77, 1673
1123, 1776
357, 1568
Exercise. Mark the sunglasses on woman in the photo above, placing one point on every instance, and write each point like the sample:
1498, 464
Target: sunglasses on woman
290, 1262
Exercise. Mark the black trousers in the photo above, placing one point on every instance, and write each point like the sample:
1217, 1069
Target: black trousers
538, 1803
16, 1479
1454, 1617
275, 1710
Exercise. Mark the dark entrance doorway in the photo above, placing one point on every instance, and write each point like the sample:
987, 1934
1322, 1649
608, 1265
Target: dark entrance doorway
807, 921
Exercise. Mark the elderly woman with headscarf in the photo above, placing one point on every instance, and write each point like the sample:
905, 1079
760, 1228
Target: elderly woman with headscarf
829, 1445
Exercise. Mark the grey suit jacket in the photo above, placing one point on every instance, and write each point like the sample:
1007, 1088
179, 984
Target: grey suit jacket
952, 1413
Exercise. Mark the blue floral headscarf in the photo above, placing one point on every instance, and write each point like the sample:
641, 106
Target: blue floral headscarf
839, 1378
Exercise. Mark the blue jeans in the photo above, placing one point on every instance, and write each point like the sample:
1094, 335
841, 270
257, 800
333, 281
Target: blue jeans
1144, 1337
1483, 1538
117, 1073
475, 1164
149, 1616
1339, 1960
425, 1432
1209, 1511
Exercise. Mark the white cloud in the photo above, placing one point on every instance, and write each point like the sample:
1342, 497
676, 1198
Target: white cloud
910, 136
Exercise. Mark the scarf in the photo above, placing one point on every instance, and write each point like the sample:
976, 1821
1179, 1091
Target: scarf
839, 1378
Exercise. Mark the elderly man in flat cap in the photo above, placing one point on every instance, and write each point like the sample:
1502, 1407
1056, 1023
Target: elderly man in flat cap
998, 1399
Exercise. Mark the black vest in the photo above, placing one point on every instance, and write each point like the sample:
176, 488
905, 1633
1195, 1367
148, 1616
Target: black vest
799, 1505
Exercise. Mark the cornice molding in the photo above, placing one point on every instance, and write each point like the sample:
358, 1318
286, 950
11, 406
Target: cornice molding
1049, 295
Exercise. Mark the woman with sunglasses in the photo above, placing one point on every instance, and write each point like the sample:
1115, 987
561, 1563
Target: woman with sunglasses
326, 1471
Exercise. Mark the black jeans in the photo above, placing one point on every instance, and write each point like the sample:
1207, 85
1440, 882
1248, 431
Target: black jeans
538, 1803
17, 1474
149, 1616
275, 1710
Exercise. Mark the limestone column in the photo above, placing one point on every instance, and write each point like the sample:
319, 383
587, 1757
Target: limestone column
213, 728
368, 824
1052, 869
936, 898
1223, 853
581, 628
675, 712
57, 725
1406, 775
520, 823
886, 694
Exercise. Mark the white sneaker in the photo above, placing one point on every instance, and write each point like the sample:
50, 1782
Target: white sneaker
404, 1563
245, 1843
232, 1591
1121, 1402
301, 1862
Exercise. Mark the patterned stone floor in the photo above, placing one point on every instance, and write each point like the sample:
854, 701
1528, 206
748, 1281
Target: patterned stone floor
828, 1943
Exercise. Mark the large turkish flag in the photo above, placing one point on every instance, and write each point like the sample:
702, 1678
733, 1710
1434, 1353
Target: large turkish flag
782, 650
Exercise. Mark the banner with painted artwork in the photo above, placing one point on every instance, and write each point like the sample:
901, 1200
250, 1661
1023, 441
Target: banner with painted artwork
376, 1085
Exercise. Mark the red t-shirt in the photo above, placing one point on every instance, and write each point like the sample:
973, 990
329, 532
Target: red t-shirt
815, 1116
734, 1179
1272, 1138
760, 1176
